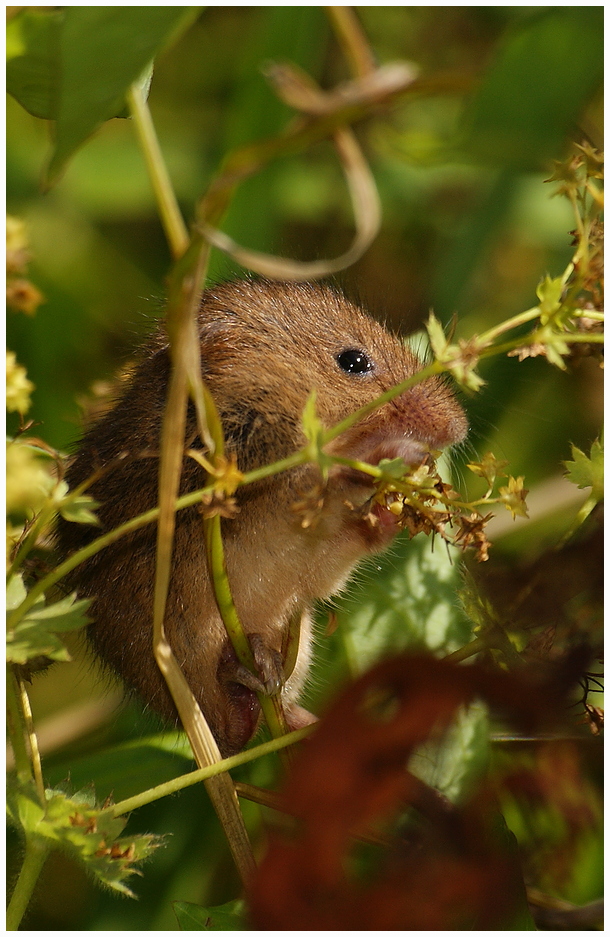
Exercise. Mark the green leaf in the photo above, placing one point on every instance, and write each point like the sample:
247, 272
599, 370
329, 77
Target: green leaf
554, 348
549, 292
535, 90
454, 766
228, 916
76, 66
15, 592
83, 829
32, 73
588, 471
406, 599
35, 634
80, 510
393, 468
438, 340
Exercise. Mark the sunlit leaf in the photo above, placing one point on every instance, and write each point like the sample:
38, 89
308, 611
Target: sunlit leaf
15, 592
588, 471
32, 72
75, 66
438, 340
453, 766
78, 509
36, 634
404, 598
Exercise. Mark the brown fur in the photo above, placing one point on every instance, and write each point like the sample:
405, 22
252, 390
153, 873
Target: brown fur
264, 347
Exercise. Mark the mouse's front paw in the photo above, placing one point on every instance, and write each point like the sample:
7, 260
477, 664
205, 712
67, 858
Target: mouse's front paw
269, 665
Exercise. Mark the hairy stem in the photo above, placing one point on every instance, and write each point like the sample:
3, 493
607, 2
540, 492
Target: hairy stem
463, 653
35, 854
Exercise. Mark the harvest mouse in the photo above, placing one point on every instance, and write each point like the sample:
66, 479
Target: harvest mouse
265, 345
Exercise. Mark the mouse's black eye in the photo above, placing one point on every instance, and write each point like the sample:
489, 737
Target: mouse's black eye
354, 361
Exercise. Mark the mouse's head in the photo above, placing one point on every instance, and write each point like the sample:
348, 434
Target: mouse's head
266, 345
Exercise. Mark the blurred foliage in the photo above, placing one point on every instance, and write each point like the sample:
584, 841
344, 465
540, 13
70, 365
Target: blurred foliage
468, 228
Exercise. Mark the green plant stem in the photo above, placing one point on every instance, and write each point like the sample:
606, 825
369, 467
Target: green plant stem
202, 774
16, 728
435, 367
592, 338
542, 335
282, 465
491, 334
579, 520
589, 314
36, 852
171, 217
271, 706
222, 591
463, 653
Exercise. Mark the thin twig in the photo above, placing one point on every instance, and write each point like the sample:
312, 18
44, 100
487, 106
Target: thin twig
173, 223
203, 774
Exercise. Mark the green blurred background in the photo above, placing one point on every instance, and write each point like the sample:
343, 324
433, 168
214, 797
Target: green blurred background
469, 229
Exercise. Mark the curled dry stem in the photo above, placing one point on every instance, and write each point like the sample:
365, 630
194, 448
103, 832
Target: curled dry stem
325, 114
367, 215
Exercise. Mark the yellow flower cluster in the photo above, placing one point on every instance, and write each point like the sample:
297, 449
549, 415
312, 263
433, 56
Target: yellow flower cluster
18, 387
28, 481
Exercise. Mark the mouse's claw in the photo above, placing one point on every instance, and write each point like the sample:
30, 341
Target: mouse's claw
269, 664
